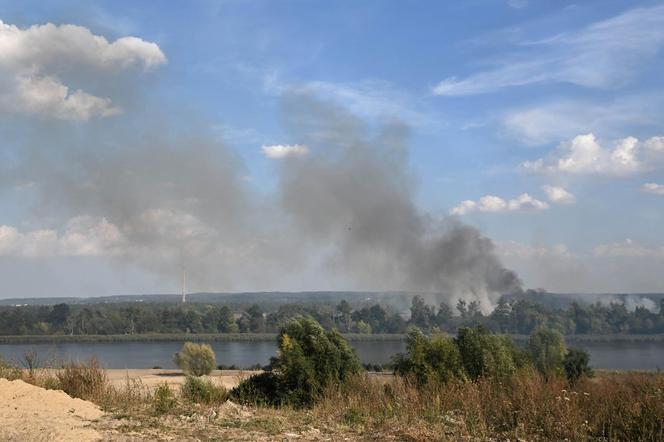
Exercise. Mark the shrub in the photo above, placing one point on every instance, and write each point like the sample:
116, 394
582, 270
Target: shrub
428, 360
485, 354
9, 371
84, 381
577, 364
195, 359
203, 391
261, 389
547, 350
310, 359
163, 399
31, 362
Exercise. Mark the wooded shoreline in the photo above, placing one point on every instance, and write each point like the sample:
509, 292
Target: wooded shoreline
226, 337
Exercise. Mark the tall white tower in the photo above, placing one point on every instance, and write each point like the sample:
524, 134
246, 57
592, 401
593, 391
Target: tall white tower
184, 285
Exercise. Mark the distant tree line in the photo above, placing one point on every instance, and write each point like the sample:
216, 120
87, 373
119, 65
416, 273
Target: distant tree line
513, 317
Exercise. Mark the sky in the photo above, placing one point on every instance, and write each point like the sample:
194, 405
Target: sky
138, 138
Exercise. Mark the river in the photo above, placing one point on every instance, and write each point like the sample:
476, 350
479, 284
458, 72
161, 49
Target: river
603, 355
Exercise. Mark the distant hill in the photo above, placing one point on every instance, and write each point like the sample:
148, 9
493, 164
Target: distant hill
265, 299
563, 300
400, 300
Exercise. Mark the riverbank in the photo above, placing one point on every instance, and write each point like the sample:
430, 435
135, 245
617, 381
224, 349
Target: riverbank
611, 406
151, 378
176, 337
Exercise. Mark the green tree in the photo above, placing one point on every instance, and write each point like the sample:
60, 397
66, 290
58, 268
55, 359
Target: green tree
577, 364
547, 351
195, 359
310, 360
429, 360
485, 354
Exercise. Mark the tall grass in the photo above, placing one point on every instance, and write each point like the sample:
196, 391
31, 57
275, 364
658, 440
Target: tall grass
627, 406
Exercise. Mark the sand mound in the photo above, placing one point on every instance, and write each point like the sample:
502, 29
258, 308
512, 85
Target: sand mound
29, 413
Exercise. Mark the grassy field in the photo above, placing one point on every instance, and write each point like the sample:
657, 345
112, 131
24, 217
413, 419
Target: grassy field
610, 406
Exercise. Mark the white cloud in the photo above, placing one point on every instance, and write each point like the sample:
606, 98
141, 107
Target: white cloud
601, 55
560, 119
279, 151
34, 61
655, 144
82, 236
584, 155
657, 189
558, 195
628, 248
492, 203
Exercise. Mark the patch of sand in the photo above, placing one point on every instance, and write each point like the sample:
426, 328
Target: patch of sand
29, 413
174, 378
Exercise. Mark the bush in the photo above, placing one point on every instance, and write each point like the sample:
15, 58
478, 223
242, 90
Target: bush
9, 371
577, 365
261, 389
428, 360
310, 360
485, 354
547, 350
163, 399
84, 381
195, 359
203, 391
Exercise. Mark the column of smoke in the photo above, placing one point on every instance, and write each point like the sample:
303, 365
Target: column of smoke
341, 217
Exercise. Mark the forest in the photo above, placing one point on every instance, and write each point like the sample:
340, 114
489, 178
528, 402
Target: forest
518, 317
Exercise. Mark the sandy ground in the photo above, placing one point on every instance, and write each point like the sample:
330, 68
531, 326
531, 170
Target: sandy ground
29, 413
174, 378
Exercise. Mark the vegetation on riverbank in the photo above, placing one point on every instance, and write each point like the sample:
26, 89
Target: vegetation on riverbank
270, 337
515, 316
177, 337
476, 386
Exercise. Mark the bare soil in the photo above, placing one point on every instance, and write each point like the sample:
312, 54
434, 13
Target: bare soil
29, 413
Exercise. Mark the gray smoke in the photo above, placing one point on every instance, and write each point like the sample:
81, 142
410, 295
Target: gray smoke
342, 217
356, 192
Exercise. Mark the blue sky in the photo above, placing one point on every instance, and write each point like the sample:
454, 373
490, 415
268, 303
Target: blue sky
539, 122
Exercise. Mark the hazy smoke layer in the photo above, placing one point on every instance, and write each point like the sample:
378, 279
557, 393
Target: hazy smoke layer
343, 216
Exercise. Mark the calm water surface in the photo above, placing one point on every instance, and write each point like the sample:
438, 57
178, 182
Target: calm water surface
613, 355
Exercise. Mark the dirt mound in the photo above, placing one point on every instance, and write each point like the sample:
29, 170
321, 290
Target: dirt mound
32, 413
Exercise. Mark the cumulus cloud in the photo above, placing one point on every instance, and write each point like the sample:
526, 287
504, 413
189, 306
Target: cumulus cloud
280, 151
35, 63
583, 154
492, 203
657, 189
601, 55
82, 236
558, 195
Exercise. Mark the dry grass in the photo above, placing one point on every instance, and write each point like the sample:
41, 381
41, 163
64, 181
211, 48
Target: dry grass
627, 406
611, 406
